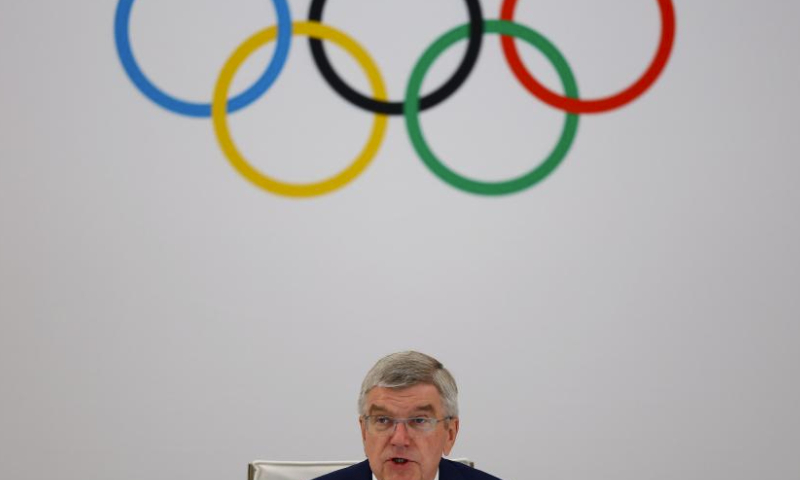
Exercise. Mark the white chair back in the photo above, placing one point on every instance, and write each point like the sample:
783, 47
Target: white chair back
274, 470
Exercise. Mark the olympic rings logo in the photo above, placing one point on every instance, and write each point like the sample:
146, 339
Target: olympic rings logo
378, 104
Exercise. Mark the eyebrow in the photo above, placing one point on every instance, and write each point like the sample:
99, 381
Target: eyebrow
377, 409
381, 409
425, 408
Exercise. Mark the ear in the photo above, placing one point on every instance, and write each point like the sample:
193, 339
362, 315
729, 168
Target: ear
452, 433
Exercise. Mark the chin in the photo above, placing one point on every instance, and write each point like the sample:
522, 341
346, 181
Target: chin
407, 471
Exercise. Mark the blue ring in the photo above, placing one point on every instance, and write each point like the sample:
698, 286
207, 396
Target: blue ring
122, 39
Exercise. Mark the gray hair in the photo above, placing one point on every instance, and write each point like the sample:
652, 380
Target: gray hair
406, 369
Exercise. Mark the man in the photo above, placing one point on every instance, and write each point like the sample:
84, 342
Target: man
408, 410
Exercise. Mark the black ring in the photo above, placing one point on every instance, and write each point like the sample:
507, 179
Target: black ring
396, 108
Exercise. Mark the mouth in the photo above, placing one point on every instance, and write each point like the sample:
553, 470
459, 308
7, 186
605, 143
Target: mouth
399, 461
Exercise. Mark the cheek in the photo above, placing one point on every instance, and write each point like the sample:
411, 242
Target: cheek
436, 446
373, 446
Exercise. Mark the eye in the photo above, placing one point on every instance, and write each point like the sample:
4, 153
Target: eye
420, 421
383, 420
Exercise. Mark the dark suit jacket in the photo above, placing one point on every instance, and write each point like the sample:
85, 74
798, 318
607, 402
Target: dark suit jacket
448, 470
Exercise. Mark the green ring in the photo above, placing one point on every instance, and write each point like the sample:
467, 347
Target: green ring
411, 110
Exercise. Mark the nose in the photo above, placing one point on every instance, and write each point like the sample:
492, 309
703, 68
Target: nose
400, 435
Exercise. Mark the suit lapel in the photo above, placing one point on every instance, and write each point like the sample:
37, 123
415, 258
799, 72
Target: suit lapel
447, 471
364, 472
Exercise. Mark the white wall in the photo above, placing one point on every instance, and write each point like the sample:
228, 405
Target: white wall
634, 316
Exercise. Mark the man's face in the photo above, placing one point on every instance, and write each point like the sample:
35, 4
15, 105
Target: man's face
421, 450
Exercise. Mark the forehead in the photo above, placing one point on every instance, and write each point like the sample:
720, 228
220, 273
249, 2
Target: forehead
405, 400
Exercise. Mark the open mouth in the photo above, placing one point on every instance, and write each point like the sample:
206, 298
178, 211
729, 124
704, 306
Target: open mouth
399, 460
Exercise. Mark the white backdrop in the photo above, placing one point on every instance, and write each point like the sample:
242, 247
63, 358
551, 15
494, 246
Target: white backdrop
634, 316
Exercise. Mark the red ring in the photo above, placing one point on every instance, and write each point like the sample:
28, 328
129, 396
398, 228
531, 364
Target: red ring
576, 105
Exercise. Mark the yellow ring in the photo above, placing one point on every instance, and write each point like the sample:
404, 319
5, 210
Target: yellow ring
220, 119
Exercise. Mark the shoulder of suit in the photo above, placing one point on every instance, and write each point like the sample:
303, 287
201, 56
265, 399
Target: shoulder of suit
465, 471
359, 471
